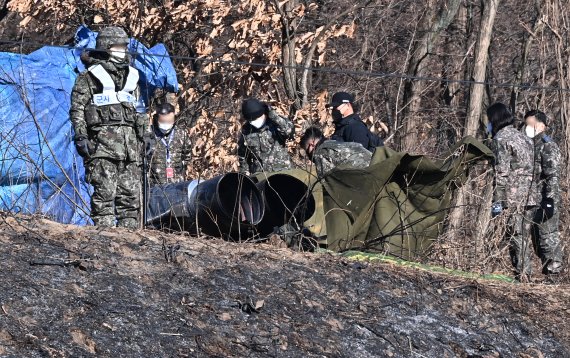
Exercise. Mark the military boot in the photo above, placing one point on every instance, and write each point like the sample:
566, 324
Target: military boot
129, 223
553, 268
104, 221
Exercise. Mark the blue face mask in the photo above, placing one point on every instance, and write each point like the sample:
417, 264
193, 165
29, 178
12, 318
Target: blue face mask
490, 128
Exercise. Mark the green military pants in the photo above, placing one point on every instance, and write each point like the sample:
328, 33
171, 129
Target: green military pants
520, 246
546, 238
116, 192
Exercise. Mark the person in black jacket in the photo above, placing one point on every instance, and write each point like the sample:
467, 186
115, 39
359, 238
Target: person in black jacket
348, 125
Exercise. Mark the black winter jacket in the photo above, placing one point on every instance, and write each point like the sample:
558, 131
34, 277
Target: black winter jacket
352, 129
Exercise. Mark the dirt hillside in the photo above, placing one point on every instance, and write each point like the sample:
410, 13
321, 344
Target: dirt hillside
71, 291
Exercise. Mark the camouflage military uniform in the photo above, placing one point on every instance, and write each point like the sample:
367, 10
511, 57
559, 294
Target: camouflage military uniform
178, 143
331, 154
546, 234
264, 149
114, 132
513, 184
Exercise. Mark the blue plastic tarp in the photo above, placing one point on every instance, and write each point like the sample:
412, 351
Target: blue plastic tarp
40, 170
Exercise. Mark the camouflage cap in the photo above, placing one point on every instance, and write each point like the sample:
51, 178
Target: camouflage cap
112, 35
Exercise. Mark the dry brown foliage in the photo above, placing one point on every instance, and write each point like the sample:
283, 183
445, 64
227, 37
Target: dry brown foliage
228, 31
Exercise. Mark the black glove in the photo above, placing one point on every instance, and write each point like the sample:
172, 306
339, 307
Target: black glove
267, 107
149, 141
547, 206
496, 209
269, 111
84, 147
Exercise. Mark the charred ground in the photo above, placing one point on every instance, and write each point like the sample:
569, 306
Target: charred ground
71, 291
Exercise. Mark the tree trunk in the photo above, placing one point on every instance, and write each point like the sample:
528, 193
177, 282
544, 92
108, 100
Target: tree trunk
480, 66
475, 105
288, 44
456, 44
433, 25
519, 75
557, 18
297, 85
457, 49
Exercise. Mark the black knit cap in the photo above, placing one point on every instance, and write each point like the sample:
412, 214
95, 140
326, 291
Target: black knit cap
539, 115
340, 98
165, 108
252, 108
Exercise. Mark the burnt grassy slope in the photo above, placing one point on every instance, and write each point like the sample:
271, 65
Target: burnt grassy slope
69, 291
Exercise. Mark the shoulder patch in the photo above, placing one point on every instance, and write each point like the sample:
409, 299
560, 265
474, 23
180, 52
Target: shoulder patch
546, 139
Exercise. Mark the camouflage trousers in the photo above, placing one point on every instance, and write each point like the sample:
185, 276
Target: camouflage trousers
546, 239
529, 234
116, 192
519, 226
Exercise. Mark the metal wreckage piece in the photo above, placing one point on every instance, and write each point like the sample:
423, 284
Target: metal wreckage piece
227, 206
288, 200
233, 206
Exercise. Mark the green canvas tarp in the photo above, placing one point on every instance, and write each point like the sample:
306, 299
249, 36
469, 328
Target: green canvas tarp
397, 204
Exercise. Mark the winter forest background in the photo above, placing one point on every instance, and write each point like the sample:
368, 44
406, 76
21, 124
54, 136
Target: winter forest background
426, 69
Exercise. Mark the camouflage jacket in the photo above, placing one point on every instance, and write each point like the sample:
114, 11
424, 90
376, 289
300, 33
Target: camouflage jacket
547, 160
114, 131
331, 154
513, 168
264, 149
180, 150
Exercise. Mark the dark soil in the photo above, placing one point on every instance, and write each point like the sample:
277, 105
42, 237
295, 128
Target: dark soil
70, 291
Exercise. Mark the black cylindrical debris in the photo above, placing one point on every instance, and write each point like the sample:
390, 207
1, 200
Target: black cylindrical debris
227, 206
287, 200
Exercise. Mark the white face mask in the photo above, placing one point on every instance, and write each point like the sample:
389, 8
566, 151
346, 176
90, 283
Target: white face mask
117, 55
530, 131
259, 122
165, 127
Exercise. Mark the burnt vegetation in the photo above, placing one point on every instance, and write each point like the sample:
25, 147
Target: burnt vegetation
72, 291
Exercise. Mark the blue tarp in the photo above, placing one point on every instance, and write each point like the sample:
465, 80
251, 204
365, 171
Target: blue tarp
40, 170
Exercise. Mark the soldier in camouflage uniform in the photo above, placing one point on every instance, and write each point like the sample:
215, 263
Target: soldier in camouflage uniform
513, 183
261, 146
547, 158
171, 152
330, 154
109, 131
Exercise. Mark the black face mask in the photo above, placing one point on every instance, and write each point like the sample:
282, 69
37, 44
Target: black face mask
336, 115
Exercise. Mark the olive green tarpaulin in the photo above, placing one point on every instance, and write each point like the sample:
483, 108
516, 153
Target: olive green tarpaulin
397, 205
